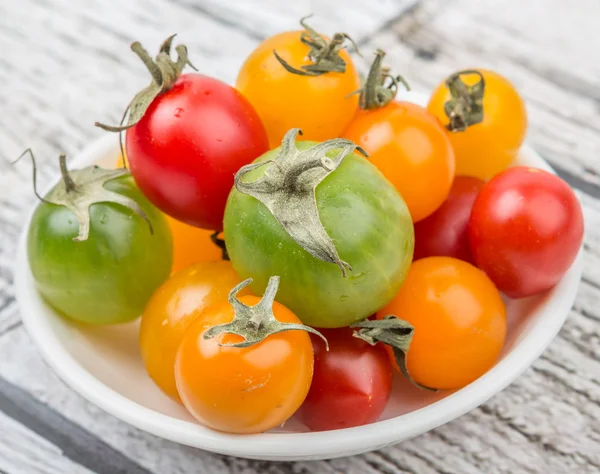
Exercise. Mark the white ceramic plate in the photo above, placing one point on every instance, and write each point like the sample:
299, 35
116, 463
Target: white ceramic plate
104, 365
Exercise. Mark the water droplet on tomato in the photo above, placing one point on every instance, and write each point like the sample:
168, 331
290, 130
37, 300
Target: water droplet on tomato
357, 278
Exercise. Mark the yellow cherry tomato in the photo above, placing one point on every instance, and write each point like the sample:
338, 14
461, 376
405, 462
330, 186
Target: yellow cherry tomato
486, 148
172, 309
319, 105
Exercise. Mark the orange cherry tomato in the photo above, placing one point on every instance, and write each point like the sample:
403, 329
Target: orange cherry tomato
190, 244
243, 390
485, 149
172, 308
459, 322
411, 149
319, 105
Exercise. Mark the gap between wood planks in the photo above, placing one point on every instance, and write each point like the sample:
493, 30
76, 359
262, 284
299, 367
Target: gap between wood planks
75, 442
23, 451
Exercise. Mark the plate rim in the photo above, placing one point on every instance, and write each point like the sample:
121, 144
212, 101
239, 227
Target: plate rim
291, 446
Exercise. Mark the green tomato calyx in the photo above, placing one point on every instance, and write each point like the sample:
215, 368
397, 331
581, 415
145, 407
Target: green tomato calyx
375, 93
324, 53
79, 189
288, 189
256, 323
394, 332
164, 73
465, 108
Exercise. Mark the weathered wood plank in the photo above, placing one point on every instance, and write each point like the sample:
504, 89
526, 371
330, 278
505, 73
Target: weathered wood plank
22, 451
61, 72
527, 42
262, 18
67, 71
87, 46
75, 442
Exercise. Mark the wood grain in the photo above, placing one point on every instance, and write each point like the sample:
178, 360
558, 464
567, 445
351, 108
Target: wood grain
547, 58
259, 19
74, 442
23, 451
66, 64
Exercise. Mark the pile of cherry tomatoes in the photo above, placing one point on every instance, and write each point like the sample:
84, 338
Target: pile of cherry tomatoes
292, 241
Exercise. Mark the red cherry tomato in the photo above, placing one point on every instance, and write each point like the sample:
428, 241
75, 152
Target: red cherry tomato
191, 141
444, 233
351, 382
526, 229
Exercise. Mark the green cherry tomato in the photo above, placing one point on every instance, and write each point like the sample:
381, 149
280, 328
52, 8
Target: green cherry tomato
365, 217
108, 276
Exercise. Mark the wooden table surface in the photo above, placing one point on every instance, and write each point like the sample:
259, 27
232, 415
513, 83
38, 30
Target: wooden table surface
66, 63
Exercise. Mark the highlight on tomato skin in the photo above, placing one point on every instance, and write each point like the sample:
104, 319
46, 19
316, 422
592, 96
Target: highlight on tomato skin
459, 322
525, 230
351, 385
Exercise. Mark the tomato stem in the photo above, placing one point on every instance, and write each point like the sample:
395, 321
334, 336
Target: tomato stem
465, 108
391, 331
155, 71
69, 183
255, 323
288, 187
34, 165
89, 183
375, 93
164, 72
214, 237
324, 54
